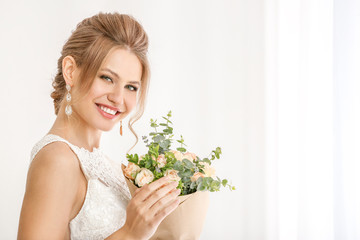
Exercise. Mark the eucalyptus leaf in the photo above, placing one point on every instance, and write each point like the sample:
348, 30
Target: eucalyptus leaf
158, 138
178, 166
187, 163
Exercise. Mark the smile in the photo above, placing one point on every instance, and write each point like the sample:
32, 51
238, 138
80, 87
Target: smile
107, 112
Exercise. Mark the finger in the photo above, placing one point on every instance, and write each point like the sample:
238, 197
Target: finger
136, 191
160, 193
147, 189
166, 211
162, 203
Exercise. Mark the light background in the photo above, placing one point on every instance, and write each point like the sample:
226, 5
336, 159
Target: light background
199, 65
275, 83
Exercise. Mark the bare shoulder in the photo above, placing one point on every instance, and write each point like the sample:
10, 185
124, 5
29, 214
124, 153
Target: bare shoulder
55, 154
51, 190
54, 163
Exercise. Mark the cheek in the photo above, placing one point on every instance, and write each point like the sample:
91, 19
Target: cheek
131, 101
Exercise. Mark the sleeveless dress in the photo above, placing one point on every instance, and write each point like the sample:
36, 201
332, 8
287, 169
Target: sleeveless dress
104, 209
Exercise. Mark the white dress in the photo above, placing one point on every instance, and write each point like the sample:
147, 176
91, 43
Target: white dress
107, 195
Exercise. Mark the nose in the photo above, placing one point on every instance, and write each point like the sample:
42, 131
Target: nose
117, 96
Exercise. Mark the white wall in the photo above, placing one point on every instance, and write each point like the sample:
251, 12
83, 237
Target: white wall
207, 60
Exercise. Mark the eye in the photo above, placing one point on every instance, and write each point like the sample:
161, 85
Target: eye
106, 78
132, 88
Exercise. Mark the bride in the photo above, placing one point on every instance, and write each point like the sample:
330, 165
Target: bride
73, 190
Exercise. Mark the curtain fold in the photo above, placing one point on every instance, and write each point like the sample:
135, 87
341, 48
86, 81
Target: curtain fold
346, 119
312, 72
299, 119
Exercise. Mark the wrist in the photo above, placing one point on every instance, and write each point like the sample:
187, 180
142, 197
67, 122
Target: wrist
127, 234
123, 233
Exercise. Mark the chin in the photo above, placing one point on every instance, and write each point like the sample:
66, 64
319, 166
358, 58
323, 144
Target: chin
106, 129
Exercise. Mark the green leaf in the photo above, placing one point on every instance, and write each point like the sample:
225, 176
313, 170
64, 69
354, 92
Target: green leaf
215, 185
167, 119
187, 164
180, 149
193, 185
224, 182
206, 160
154, 125
185, 174
158, 138
167, 130
178, 166
201, 187
148, 164
165, 144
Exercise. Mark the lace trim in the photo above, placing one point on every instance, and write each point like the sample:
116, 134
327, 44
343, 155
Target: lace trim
95, 164
101, 215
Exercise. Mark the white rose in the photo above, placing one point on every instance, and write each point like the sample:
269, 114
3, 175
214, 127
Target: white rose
172, 175
131, 170
145, 176
178, 155
189, 156
161, 160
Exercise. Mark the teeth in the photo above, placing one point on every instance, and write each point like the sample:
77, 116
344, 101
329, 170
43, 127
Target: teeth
107, 110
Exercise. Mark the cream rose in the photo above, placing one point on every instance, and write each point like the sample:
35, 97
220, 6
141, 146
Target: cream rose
172, 175
208, 170
161, 160
196, 176
178, 155
145, 176
131, 170
189, 156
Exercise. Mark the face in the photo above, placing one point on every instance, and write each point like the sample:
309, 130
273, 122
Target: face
113, 94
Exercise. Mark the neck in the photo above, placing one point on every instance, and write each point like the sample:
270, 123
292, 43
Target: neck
75, 130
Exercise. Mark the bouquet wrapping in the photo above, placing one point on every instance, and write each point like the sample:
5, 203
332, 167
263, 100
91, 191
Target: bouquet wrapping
186, 221
194, 175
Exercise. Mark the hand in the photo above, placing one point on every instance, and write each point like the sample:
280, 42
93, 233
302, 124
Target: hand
149, 206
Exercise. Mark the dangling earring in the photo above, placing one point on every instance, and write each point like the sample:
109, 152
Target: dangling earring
121, 128
68, 109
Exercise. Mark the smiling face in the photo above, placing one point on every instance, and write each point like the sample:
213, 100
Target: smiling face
113, 94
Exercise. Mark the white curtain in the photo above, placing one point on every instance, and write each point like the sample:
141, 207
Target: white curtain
347, 119
312, 119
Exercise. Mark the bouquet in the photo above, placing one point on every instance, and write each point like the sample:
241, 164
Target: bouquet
195, 177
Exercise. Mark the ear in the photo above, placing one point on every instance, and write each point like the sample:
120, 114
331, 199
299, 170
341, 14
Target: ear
69, 70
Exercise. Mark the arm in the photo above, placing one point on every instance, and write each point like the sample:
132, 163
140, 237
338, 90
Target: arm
50, 194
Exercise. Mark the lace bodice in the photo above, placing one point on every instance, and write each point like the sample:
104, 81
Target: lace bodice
104, 208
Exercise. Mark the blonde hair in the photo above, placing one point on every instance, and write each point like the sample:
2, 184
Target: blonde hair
90, 43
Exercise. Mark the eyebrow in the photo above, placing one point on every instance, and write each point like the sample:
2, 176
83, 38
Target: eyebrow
116, 75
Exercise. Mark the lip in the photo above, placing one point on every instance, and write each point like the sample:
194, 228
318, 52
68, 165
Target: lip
105, 114
110, 107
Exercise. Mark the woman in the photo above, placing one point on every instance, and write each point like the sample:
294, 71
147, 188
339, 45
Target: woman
73, 190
